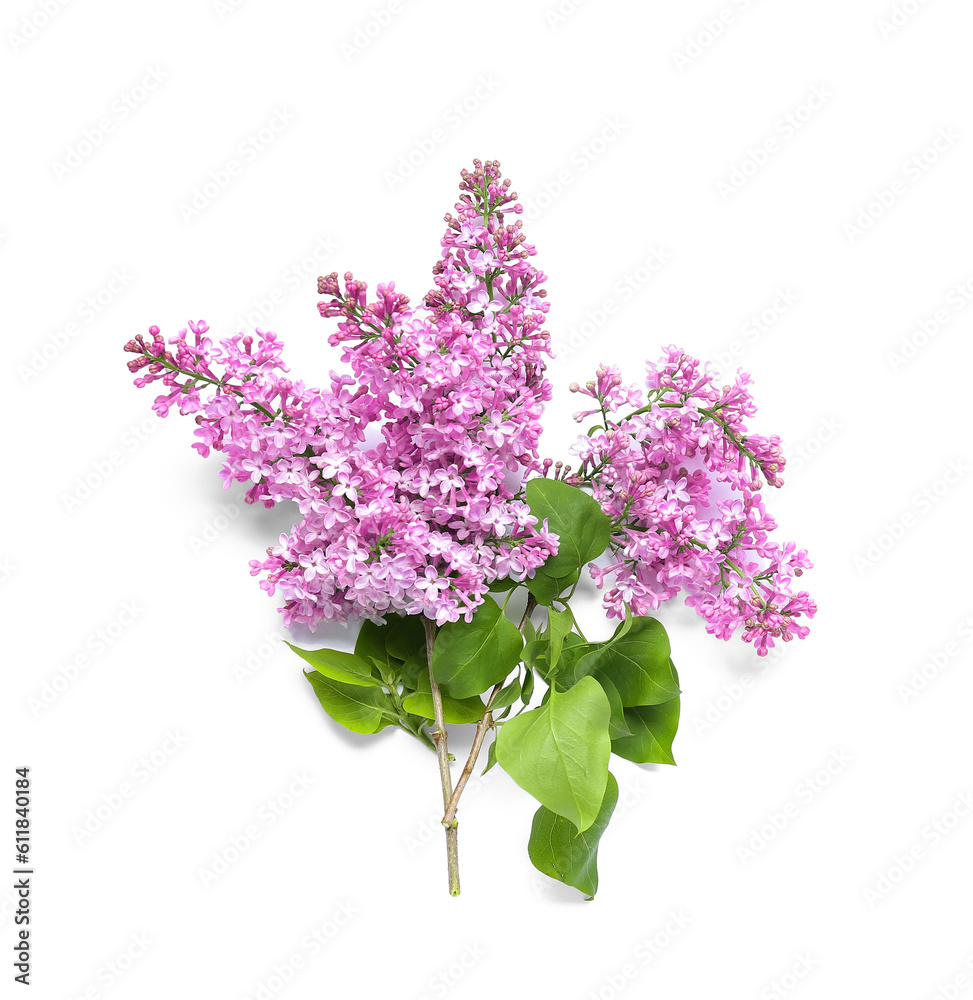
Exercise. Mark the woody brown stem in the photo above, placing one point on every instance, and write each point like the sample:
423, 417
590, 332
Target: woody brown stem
486, 721
439, 738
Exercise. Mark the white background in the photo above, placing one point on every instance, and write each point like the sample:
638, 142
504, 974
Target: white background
112, 523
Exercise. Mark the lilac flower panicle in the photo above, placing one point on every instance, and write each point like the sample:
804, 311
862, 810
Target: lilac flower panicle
422, 522
680, 478
408, 470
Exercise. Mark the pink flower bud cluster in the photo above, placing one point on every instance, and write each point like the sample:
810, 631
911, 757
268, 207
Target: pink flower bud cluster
406, 473
680, 478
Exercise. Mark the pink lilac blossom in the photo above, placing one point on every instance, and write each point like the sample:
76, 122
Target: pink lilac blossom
656, 472
427, 516
424, 521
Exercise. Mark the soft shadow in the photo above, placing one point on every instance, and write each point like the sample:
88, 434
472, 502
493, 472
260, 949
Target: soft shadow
255, 521
335, 635
559, 892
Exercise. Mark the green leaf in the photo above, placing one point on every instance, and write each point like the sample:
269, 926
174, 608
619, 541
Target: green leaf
534, 649
370, 644
339, 666
653, 729
455, 711
559, 752
559, 624
559, 849
576, 661
503, 585
617, 727
547, 589
573, 647
491, 757
637, 662
406, 636
470, 657
413, 668
507, 695
527, 689
583, 531
360, 709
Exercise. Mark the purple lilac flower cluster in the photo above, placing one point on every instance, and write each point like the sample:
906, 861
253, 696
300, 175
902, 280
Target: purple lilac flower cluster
680, 478
409, 473
424, 520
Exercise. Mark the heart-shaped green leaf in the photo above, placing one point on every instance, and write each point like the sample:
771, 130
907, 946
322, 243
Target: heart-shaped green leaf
360, 709
583, 531
559, 849
636, 660
559, 752
653, 729
470, 657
